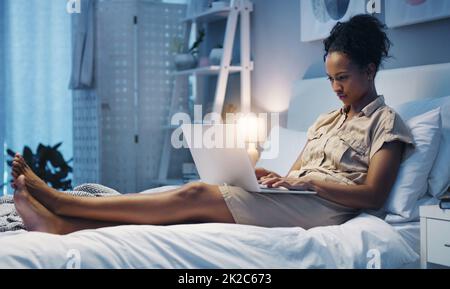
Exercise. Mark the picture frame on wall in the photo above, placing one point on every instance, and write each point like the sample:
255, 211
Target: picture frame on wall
408, 12
318, 17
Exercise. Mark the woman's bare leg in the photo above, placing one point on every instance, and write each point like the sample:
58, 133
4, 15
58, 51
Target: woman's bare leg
195, 202
38, 218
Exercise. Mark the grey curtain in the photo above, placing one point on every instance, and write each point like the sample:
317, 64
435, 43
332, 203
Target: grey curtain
83, 44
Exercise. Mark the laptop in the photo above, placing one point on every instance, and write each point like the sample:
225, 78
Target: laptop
230, 166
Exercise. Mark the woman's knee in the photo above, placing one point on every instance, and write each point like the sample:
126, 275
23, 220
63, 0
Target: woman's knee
195, 191
205, 203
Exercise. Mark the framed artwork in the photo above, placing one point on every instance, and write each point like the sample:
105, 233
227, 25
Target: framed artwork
319, 16
407, 12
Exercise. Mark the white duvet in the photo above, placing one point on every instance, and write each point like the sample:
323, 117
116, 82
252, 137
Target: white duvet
364, 242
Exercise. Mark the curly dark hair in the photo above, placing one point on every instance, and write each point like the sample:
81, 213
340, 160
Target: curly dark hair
362, 38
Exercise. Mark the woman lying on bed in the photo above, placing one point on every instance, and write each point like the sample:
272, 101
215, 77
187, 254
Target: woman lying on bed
351, 160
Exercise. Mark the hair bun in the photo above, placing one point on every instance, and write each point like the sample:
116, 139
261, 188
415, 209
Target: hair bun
362, 38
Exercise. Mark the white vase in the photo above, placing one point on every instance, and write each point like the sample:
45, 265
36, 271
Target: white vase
185, 61
215, 56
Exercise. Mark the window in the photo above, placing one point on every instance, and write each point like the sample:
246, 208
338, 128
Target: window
36, 104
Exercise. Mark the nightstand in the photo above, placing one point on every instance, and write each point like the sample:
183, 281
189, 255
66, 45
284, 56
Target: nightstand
434, 237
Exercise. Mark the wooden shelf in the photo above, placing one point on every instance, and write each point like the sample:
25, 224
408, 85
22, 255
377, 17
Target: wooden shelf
236, 15
210, 15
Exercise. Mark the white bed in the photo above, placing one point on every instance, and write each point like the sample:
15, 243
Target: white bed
363, 242
359, 243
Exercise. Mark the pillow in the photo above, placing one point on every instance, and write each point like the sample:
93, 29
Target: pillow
417, 107
280, 156
412, 178
439, 179
414, 215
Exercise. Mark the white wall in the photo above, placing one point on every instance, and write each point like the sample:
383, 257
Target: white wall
280, 57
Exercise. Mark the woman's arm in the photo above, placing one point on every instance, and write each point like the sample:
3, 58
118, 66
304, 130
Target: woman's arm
372, 194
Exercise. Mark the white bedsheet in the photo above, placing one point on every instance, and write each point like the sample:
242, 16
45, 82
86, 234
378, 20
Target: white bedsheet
355, 244
410, 232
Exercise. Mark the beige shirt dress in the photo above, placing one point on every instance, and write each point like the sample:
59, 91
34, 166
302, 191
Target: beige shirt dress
337, 151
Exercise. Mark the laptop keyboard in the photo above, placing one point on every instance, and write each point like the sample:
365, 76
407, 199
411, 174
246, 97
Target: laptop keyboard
264, 187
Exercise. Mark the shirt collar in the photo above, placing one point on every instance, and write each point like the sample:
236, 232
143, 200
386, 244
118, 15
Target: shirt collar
368, 109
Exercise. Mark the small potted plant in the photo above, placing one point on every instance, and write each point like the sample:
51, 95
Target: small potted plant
49, 164
189, 59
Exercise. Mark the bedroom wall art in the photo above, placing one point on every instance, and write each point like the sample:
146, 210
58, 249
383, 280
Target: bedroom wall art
319, 16
407, 12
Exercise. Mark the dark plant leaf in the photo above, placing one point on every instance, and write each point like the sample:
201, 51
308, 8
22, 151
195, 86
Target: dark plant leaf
60, 175
49, 176
56, 183
40, 149
43, 155
49, 165
28, 155
66, 185
57, 160
10, 153
57, 146
43, 174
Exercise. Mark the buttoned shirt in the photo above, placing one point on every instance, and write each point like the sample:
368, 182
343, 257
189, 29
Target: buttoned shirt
340, 149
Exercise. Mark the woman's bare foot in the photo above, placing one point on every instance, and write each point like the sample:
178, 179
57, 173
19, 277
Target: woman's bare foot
35, 185
34, 215
20, 167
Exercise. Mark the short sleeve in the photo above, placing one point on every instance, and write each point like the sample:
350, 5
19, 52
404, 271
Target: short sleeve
391, 128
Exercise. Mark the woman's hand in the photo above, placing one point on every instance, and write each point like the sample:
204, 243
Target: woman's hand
263, 174
297, 184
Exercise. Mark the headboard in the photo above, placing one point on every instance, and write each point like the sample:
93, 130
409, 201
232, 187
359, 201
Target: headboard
312, 97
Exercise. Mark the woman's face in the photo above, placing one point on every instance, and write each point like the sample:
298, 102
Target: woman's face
348, 80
